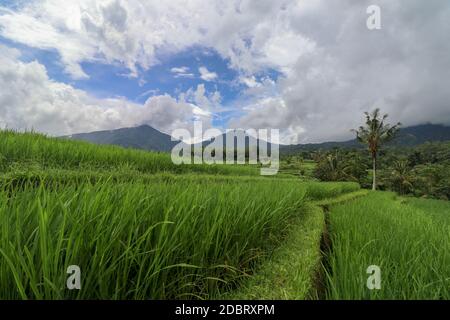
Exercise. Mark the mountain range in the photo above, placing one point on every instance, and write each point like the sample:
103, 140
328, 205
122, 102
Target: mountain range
147, 138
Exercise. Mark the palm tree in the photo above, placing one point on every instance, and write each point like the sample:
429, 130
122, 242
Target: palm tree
374, 134
401, 177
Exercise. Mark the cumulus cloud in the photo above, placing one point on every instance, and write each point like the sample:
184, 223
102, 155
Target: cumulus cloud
30, 100
208, 101
181, 72
332, 68
250, 82
207, 75
132, 33
348, 69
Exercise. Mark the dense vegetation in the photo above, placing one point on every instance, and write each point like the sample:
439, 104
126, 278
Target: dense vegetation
420, 171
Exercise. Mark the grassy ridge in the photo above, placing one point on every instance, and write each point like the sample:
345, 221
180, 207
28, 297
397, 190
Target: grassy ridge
411, 247
290, 272
60, 178
20, 152
66, 177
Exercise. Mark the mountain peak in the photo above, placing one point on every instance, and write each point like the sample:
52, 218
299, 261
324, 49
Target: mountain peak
141, 137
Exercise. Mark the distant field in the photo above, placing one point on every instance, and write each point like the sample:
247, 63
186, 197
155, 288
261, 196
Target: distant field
304, 168
439, 210
32, 151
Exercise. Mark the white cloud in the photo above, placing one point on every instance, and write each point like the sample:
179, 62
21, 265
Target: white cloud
30, 100
250, 82
207, 75
179, 69
181, 72
345, 69
184, 75
207, 101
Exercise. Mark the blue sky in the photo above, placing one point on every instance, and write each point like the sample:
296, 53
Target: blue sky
114, 80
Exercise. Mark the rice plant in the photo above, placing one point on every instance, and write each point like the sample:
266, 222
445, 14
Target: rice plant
139, 241
411, 247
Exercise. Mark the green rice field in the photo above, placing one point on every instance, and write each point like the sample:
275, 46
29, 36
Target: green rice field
140, 227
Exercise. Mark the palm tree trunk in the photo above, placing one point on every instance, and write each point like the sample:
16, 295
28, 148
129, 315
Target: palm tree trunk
374, 173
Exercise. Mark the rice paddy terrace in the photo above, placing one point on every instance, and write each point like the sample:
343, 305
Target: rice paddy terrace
140, 227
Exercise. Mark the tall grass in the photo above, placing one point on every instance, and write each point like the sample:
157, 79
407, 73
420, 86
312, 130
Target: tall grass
322, 190
411, 247
138, 241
